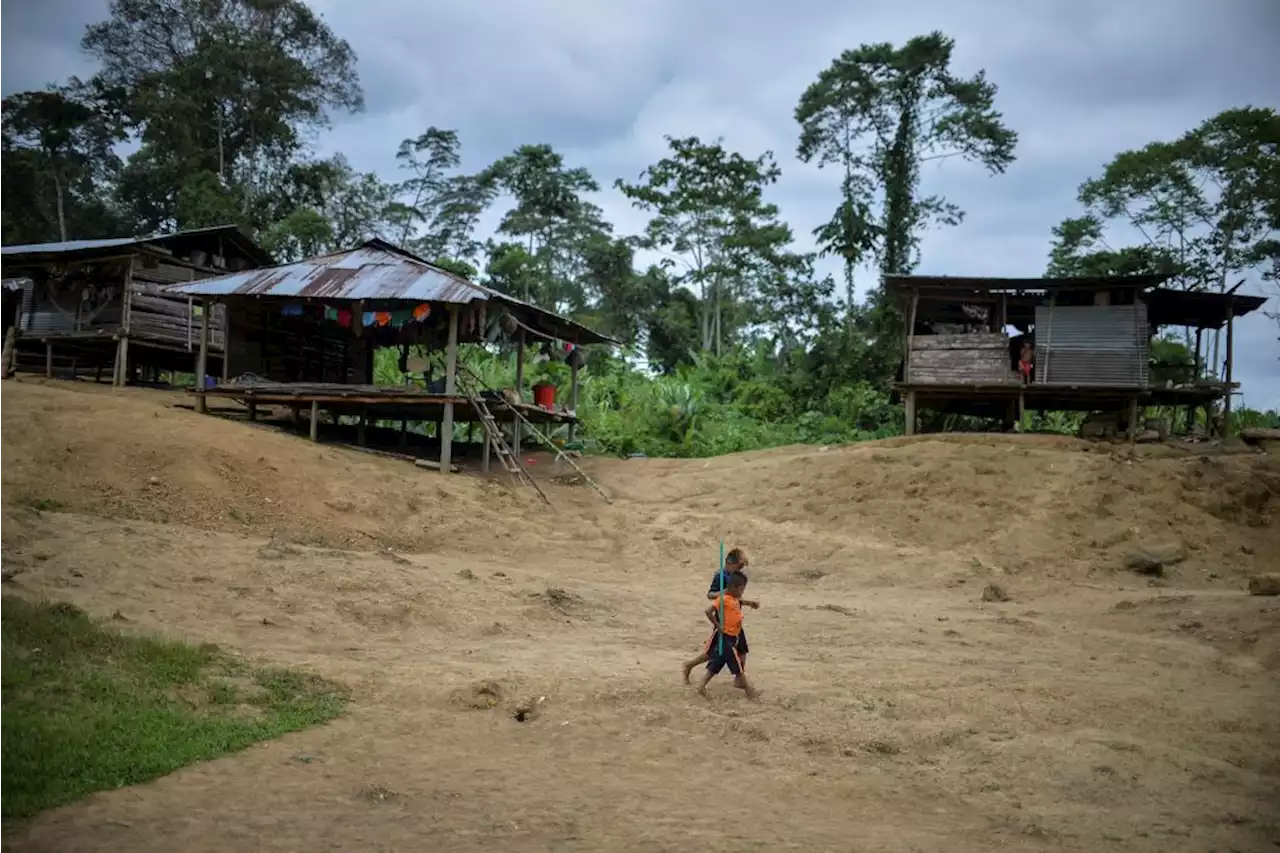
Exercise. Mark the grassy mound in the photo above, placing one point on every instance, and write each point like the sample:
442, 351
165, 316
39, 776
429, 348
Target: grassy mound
87, 708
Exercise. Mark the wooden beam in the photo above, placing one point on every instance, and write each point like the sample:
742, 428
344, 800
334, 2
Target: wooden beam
910, 406
362, 427
1133, 420
910, 336
574, 357
450, 388
515, 444
1226, 405
126, 312
48, 359
315, 421
202, 357
1195, 377
226, 342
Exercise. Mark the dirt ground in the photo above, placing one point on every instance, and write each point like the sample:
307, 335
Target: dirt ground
1096, 710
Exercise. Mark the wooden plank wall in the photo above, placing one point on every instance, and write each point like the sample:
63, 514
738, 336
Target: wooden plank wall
170, 319
961, 359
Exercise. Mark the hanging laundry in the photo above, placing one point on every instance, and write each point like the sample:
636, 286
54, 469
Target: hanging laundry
421, 312
331, 314
344, 318
399, 318
292, 310
382, 318
367, 318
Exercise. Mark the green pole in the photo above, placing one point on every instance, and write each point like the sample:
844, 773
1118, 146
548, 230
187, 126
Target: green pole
720, 641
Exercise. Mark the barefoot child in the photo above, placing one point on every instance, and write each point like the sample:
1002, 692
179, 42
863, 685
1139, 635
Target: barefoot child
724, 648
735, 564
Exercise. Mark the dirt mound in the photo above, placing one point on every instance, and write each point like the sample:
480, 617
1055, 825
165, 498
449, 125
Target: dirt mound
924, 508
133, 454
1057, 507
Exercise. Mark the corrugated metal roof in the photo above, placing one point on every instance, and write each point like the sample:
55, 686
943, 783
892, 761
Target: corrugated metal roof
68, 247
375, 270
898, 283
366, 272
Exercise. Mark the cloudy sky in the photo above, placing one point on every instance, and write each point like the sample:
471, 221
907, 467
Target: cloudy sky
604, 81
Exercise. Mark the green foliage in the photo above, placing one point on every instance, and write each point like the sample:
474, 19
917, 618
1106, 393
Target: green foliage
89, 709
1206, 205
230, 89
710, 221
59, 164
722, 405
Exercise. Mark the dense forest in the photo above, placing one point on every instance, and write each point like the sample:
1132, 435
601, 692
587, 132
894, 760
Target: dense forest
734, 340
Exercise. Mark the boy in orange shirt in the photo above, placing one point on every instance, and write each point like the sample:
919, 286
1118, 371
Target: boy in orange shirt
724, 648
735, 565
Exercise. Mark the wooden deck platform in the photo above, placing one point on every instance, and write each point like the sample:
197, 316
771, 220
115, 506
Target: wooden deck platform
381, 402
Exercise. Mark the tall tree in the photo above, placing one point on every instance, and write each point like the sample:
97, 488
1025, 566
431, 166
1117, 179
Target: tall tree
1080, 249
336, 207
1154, 191
59, 162
1206, 204
711, 222
551, 218
438, 212
222, 88
880, 112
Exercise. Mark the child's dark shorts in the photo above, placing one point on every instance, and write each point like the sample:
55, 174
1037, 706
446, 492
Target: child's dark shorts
710, 648
730, 657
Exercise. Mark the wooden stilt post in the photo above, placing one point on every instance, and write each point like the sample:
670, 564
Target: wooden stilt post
122, 348
226, 343
909, 337
315, 420
574, 358
910, 407
404, 433
1226, 405
7, 357
484, 455
362, 427
74, 373
1195, 377
48, 359
515, 422
450, 389
202, 360
126, 369
1133, 421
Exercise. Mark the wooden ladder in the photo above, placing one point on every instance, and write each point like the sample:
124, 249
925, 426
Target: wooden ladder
493, 435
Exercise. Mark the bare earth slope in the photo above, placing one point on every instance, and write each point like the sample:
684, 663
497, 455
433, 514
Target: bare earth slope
901, 712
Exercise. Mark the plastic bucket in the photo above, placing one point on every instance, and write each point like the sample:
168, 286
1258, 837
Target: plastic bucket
544, 395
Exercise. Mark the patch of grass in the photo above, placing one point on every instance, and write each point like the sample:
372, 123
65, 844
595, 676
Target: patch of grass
40, 504
86, 708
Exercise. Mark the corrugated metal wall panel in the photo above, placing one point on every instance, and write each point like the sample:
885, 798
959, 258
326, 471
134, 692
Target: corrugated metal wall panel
1094, 345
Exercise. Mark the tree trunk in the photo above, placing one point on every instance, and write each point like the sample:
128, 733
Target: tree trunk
62, 214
